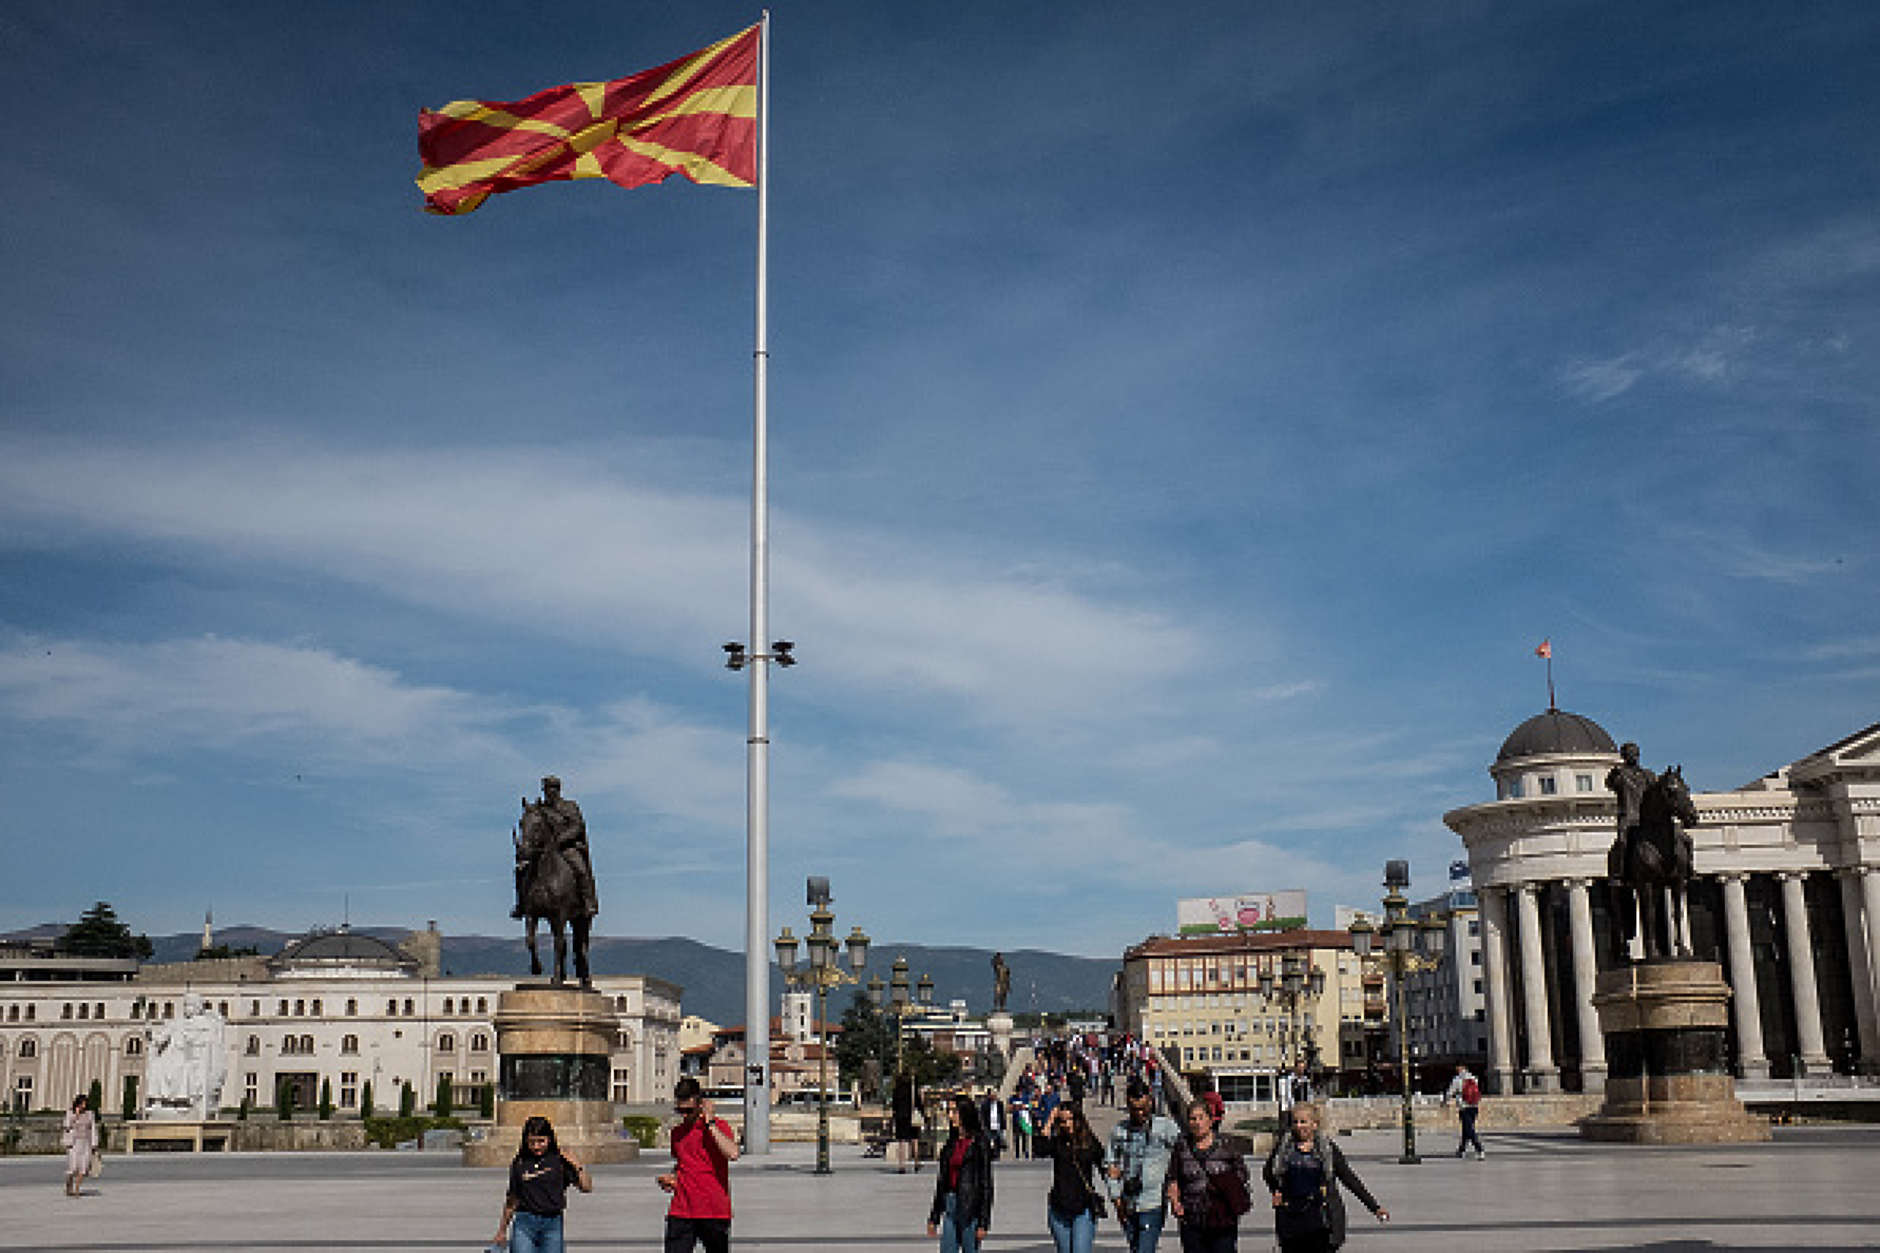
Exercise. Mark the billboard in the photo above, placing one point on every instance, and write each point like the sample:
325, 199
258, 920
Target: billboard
1256, 911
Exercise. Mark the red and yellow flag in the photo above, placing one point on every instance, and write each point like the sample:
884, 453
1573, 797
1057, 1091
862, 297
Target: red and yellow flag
696, 116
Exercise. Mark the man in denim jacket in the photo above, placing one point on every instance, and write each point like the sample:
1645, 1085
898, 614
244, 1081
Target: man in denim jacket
1139, 1153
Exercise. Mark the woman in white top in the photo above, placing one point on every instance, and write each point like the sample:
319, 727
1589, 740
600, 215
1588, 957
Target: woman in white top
81, 1141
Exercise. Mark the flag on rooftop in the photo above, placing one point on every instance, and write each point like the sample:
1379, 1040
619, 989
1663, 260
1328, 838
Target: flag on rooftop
695, 116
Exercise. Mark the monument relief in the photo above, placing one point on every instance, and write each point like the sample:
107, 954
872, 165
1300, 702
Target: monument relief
188, 1063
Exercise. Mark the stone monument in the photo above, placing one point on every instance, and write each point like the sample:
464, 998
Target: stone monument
1664, 1017
555, 1042
188, 1063
999, 1023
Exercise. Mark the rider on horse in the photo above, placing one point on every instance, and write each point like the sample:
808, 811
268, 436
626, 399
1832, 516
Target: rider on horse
1628, 780
570, 832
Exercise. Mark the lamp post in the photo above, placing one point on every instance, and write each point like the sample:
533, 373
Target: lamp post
823, 972
904, 1001
1295, 984
1408, 946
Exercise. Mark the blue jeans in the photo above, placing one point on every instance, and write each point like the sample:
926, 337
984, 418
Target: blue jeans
1072, 1235
1143, 1228
957, 1233
534, 1233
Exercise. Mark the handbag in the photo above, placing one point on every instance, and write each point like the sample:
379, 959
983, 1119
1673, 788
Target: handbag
97, 1164
1228, 1200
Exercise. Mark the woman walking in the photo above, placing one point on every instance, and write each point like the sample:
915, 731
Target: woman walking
80, 1139
1303, 1175
538, 1192
1207, 1186
962, 1195
1077, 1159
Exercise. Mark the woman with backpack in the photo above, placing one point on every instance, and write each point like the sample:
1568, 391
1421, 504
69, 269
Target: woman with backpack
1466, 1092
1303, 1175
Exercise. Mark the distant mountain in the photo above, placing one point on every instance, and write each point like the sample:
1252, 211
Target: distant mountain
713, 978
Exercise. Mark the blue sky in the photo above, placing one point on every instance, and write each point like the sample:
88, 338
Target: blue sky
1186, 420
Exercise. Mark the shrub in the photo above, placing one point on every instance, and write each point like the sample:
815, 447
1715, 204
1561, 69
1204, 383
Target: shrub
644, 1128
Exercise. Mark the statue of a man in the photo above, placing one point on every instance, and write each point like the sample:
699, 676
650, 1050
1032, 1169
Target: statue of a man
570, 830
1001, 982
1628, 781
188, 1063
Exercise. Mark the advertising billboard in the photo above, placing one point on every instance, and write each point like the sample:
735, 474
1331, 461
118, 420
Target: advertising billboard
1255, 911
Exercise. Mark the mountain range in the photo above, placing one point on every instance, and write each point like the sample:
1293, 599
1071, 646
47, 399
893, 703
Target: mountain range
713, 978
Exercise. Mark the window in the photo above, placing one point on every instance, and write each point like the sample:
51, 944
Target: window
480, 1043
483, 1005
65, 1010
1547, 785
134, 1046
23, 1093
391, 1009
29, 1047
623, 1086
300, 1009
349, 1044
251, 1087
408, 1009
306, 1044
281, 1010
447, 1043
290, 1044
13, 1013
254, 1046
319, 1011
254, 1009
1582, 782
449, 1006
349, 1088
352, 1007
1514, 789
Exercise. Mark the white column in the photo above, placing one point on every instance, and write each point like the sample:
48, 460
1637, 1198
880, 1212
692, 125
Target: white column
1752, 1056
1585, 972
1802, 975
1870, 911
1860, 963
1494, 915
1542, 1074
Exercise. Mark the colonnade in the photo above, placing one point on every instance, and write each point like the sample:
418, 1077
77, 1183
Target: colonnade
1516, 912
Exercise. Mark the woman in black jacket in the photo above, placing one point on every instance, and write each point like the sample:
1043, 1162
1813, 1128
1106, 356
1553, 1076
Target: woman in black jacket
962, 1195
1077, 1159
1303, 1174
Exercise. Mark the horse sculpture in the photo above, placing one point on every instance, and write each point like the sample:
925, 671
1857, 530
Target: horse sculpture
1654, 863
553, 893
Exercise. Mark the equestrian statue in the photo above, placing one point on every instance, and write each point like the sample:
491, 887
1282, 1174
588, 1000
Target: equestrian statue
1651, 860
555, 879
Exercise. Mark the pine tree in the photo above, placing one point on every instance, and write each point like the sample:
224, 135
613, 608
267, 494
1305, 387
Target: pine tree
326, 1099
98, 933
407, 1100
441, 1106
284, 1101
487, 1101
365, 1100
130, 1097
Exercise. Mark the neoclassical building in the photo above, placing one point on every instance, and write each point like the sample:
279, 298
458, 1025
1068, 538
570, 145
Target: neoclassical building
1786, 895
334, 1011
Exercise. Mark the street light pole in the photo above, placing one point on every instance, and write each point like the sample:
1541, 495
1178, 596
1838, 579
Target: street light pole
1408, 946
823, 972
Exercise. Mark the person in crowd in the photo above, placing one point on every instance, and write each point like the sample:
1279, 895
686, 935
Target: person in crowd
1077, 1180
992, 1122
1304, 1174
962, 1195
1139, 1155
539, 1178
1022, 1125
703, 1149
1466, 1091
79, 1136
1294, 1089
1207, 1186
905, 1100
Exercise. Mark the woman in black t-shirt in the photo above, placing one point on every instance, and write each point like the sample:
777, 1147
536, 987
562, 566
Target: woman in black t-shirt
538, 1192
1077, 1158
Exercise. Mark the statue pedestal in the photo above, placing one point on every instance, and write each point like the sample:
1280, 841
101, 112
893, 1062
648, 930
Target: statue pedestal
187, 1135
1669, 1080
999, 1026
556, 1049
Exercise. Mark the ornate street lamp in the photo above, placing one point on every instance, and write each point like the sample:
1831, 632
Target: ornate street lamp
1297, 988
823, 972
1407, 945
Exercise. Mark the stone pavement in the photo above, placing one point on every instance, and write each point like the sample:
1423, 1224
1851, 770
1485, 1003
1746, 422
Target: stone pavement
1814, 1187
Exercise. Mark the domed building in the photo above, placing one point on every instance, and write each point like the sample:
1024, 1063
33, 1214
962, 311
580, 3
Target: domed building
1785, 895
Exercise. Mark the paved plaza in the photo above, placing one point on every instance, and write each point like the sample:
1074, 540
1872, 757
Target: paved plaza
1814, 1187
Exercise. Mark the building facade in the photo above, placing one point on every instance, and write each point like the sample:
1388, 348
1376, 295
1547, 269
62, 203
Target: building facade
1785, 895
333, 1012
1198, 999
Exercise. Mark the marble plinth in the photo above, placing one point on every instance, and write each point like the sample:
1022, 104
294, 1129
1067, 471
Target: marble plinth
999, 1027
556, 1059
1669, 1080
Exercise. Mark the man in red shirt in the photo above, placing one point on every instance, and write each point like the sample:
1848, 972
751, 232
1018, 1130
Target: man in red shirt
703, 1149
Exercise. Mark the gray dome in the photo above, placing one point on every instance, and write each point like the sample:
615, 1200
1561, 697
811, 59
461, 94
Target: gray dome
1555, 731
342, 948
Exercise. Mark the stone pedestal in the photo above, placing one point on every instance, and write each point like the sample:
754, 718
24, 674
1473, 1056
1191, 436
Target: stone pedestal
555, 1047
999, 1026
187, 1135
1669, 1079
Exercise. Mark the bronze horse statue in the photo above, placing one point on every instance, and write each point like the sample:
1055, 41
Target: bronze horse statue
1653, 861
553, 893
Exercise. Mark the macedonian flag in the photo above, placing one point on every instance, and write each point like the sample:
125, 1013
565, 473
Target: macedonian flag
696, 116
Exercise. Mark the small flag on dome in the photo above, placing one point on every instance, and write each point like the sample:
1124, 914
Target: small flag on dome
1546, 650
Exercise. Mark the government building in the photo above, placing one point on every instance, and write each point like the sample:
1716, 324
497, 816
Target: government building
331, 1013
1785, 894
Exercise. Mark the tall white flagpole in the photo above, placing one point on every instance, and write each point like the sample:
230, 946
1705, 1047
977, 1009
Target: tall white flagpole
757, 793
